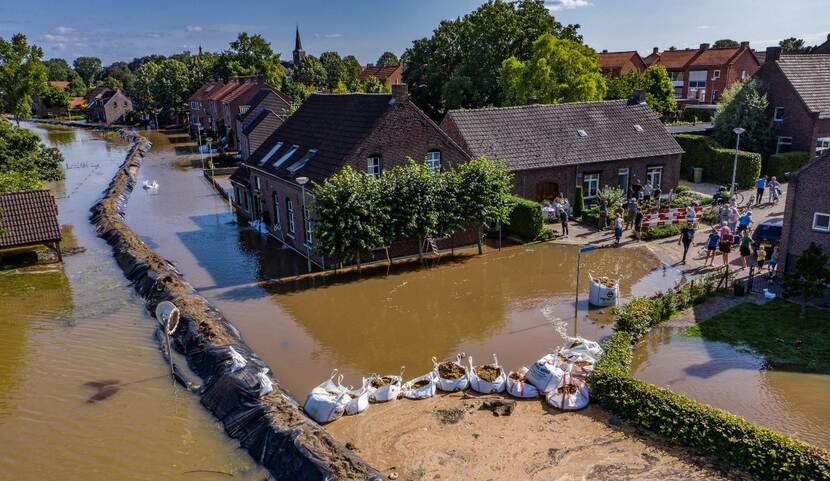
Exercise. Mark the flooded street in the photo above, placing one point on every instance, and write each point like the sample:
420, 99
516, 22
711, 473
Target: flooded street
62, 327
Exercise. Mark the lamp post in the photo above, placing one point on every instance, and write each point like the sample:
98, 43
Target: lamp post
210, 160
306, 221
738, 131
199, 140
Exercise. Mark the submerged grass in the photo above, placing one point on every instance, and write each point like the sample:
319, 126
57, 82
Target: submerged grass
775, 331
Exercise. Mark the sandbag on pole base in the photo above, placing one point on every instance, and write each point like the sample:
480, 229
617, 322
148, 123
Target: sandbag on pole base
237, 389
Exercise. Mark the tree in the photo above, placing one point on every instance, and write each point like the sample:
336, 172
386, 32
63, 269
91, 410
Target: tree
54, 97
121, 72
352, 69
485, 193
77, 88
558, 71
373, 85
388, 59
251, 55
112, 83
334, 67
311, 72
409, 195
16, 181
143, 94
88, 68
792, 45
24, 156
659, 90
743, 105
58, 69
171, 87
22, 75
810, 277
726, 43
623, 86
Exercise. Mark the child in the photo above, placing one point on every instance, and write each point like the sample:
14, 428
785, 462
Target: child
773, 261
712, 247
618, 228
761, 256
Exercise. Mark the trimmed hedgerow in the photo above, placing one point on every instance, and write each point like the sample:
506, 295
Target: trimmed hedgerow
716, 161
752, 448
662, 231
526, 220
778, 165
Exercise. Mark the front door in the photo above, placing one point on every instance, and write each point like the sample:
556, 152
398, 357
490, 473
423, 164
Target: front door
546, 190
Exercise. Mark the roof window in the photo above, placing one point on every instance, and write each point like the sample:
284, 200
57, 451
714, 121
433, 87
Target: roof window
302, 162
582, 133
638, 127
270, 153
286, 156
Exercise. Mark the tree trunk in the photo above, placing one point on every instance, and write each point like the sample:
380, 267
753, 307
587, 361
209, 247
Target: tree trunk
421, 250
359, 268
480, 250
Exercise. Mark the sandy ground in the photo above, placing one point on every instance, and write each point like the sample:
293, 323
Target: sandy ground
408, 440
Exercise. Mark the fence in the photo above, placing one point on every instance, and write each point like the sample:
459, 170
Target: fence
669, 216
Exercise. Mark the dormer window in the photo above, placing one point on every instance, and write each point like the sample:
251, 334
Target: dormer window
373, 166
582, 133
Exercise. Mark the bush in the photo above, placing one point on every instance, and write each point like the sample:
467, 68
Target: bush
716, 161
579, 202
697, 115
662, 231
614, 196
681, 188
526, 220
779, 164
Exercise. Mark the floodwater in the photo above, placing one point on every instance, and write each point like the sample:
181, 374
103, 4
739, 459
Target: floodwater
62, 327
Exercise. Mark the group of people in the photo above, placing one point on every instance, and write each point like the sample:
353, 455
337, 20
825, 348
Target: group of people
771, 184
722, 239
560, 209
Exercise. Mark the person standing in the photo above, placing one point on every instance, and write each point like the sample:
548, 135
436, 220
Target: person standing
690, 215
687, 235
648, 191
638, 224
636, 189
563, 219
761, 256
760, 185
618, 228
773, 261
725, 244
774, 190
657, 193
732, 219
744, 221
712, 247
744, 248
603, 215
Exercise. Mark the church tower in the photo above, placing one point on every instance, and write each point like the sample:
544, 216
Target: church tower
299, 53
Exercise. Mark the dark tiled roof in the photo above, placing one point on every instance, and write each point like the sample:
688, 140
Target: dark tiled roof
262, 95
28, 217
810, 77
536, 136
331, 124
262, 115
379, 71
240, 175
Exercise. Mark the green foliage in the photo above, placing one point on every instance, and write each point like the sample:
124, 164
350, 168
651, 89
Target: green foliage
113, 83
726, 43
810, 276
22, 75
526, 219
311, 72
120, 72
335, 68
88, 68
659, 90
16, 181
58, 69
578, 202
716, 161
779, 164
77, 87
251, 55
352, 71
682, 198
409, 195
463, 57
373, 85
485, 192
613, 195
743, 105
24, 158
54, 97
387, 59
662, 231
792, 45
558, 70
623, 86
680, 189
691, 114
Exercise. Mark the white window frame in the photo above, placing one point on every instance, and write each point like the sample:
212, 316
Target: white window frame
822, 144
589, 179
715, 74
257, 183
743, 74
821, 228
652, 172
781, 142
275, 197
433, 161
289, 210
307, 226
625, 171
778, 114
373, 166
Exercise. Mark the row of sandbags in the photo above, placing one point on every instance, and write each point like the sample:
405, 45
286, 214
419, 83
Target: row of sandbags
559, 377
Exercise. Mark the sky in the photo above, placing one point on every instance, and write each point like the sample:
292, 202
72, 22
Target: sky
124, 30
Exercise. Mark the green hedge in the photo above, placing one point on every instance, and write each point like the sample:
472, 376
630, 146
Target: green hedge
699, 115
749, 447
716, 161
526, 219
578, 202
662, 231
779, 164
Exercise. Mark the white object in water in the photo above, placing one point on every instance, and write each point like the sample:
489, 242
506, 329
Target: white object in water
237, 361
150, 185
602, 296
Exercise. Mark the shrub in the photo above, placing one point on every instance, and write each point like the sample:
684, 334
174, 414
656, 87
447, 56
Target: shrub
579, 202
716, 161
697, 115
779, 164
681, 188
662, 231
614, 196
526, 220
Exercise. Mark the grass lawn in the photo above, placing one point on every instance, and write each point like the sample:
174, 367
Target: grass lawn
775, 331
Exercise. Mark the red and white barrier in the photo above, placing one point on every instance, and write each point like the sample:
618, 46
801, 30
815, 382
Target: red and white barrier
669, 216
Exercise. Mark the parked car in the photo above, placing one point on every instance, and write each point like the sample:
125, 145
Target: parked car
769, 233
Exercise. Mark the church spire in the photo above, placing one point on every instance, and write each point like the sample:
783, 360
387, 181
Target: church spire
299, 53
298, 44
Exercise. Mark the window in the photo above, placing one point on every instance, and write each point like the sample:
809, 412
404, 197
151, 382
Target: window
654, 176
622, 179
743, 74
822, 144
590, 185
373, 166
270, 153
286, 156
778, 116
236, 197
784, 144
715, 74
293, 168
257, 183
307, 226
638, 127
675, 76
243, 109
276, 200
289, 210
715, 96
697, 84
821, 222
434, 161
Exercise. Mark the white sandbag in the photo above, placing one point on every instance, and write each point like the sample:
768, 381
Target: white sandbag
602, 296
581, 365
328, 401
570, 395
237, 362
385, 388
360, 398
446, 384
487, 387
545, 374
265, 384
518, 386
580, 345
421, 387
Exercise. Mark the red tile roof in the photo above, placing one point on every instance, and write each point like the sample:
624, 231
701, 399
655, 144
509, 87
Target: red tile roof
379, 71
59, 84
243, 88
611, 60
672, 59
76, 102
206, 88
28, 217
715, 56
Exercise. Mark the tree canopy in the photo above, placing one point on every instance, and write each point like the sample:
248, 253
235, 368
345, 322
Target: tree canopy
335, 68
58, 69
792, 45
659, 89
22, 75
251, 55
744, 105
311, 72
388, 59
559, 70
88, 68
55, 98
726, 43
25, 160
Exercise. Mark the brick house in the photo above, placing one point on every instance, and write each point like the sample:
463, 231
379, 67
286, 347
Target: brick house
268, 110
369, 132
227, 100
553, 148
798, 89
108, 106
807, 213
701, 75
41, 110
393, 74
198, 105
615, 64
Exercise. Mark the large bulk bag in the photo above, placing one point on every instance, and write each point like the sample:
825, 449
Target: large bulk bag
385, 388
328, 401
580, 345
421, 387
450, 376
570, 395
494, 379
359, 398
518, 386
603, 291
581, 365
545, 374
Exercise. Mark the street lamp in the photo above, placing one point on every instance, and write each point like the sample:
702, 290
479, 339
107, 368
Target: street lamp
210, 159
738, 131
306, 221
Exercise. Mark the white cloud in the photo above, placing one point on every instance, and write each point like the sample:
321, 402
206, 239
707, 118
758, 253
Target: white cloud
51, 38
565, 4
193, 28
703, 27
332, 35
64, 30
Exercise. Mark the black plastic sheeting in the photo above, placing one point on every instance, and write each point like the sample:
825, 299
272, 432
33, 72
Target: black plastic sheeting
273, 428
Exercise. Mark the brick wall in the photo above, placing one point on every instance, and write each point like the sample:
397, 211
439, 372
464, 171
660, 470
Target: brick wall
806, 195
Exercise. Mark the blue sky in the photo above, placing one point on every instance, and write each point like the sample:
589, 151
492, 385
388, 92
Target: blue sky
123, 30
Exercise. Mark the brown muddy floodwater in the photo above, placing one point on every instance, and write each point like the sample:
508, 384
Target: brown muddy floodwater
62, 327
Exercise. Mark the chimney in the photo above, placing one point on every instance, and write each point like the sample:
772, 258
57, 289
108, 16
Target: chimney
672, 48
704, 46
773, 54
744, 44
605, 51
655, 50
639, 97
533, 100
370, 65
400, 94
